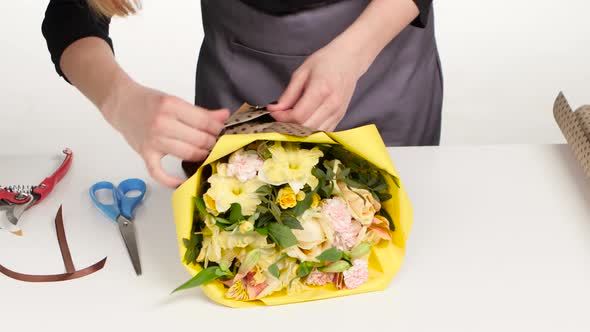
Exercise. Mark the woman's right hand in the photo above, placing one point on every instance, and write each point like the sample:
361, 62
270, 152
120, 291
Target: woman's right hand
156, 124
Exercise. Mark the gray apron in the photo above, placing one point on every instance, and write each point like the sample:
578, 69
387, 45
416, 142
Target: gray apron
249, 56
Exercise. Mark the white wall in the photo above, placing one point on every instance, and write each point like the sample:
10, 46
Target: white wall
504, 63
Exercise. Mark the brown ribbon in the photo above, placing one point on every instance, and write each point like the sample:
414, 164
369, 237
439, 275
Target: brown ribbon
71, 272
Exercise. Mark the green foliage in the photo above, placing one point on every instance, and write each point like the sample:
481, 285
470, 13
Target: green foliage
360, 250
330, 255
305, 269
291, 221
281, 235
205, 276
235, 214
336, 267
193, 247
274, 269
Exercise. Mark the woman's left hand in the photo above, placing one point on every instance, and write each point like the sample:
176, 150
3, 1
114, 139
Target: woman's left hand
320, 89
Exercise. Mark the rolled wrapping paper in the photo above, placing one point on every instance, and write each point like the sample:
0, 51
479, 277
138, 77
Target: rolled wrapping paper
250, 124
575, 126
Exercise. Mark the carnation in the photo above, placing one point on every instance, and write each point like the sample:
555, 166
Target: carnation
356, 275
317, 278
244, 165
346, 230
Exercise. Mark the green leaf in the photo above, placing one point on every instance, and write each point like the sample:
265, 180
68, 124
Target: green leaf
205, 276
346, 256
360, 250
261, 209
200, 204
380, 187
274, 269
327, 190
282, 235
276, 211
263, 220
264, 190
330, 255
224, 267
291, 221
344, 173
193, 247
373, 181
304, 269
223, 221
235, 214
354, 184
385, 214
231, 227
336, 267
396, 181
329, 170
384, 197
302, 206
318, 173
262, 231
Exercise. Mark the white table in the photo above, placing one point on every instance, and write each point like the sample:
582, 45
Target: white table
501, 242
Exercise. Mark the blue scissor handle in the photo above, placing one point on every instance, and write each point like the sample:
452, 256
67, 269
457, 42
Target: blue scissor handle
109, 210
128, 204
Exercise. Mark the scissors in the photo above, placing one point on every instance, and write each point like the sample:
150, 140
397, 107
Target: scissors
122, 211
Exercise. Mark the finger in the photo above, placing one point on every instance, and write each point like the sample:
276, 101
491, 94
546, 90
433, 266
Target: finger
332, 122
292, 93
181, 149
155, 170
220, 115
180, 131
305, 107
200, 118
322, 114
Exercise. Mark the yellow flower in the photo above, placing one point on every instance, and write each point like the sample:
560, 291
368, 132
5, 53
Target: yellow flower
246, 226
300, 196
237, 291
361, 203
226, 190
287, 198
210, 204
315, 200
290, 164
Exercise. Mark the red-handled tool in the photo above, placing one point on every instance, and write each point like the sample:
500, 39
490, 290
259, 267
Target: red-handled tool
15, 200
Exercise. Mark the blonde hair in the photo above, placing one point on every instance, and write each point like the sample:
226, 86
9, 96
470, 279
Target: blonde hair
111, 8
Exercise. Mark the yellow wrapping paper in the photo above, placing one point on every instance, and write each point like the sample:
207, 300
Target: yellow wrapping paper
384, 261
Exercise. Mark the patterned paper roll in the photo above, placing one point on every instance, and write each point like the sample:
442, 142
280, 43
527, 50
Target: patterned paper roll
575, 126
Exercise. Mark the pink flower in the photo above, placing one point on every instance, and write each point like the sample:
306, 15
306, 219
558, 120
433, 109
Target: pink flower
348, 239
357, 275
244, 165
346, 229
337, 211
317, 278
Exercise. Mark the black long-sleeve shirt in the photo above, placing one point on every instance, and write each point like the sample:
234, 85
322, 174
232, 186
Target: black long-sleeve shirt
69, 20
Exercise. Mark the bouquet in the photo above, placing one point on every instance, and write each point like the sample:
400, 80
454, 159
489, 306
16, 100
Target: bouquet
284, 219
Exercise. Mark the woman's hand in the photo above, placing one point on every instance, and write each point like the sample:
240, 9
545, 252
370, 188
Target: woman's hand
320, 89
156, 124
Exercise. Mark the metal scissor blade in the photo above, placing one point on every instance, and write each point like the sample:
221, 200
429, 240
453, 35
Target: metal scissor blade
127, 229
